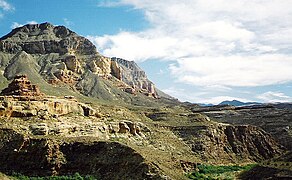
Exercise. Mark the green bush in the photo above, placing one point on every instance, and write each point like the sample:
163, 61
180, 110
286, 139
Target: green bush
211, 172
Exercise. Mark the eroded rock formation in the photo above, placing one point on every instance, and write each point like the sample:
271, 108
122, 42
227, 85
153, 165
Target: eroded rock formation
130, 73
60, 56
21, 86
227, 143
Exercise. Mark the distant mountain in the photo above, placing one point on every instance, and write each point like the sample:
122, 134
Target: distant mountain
203, 104
238, 103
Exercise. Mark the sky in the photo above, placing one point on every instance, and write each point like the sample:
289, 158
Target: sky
201, 51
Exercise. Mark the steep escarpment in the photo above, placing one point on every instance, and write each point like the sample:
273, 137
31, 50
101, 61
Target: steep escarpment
133, 75
276, 168
219, 143
273, 118
56, 56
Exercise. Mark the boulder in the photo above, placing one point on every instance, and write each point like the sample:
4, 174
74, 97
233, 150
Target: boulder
114, 127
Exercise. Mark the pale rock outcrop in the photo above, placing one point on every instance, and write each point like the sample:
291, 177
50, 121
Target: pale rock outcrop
73, 64
94, 68
116, 71
104, 64
130, 73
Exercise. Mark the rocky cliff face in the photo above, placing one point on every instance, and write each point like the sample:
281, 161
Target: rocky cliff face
21, 86
60, 56
226, 143
273, 118
134, 76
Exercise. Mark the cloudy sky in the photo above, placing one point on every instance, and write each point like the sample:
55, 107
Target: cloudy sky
201, 51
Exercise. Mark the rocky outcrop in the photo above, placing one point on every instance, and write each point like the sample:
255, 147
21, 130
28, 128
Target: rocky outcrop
116, 70
26, 106
73, 64
225, 143
21, 86
273, 118
134, 76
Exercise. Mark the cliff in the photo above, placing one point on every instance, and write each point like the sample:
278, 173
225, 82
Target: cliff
58, 56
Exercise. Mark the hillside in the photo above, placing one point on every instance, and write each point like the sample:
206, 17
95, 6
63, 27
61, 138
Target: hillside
66, 109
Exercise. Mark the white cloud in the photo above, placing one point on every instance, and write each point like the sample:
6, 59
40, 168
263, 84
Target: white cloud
274, 97
138, 47
6, 6
235, 70
16, 24
213, 43
106, 3
67, 22
199, 97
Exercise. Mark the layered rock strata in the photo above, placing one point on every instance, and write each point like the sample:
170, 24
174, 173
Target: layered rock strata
227, 143
21, 86
60, 56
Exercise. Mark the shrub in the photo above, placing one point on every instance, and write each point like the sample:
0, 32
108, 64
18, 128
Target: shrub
211, 172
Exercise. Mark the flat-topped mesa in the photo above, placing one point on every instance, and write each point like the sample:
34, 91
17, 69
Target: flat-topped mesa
21, 86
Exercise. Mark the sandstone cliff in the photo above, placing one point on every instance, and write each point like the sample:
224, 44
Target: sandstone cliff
58, 56
134, 76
